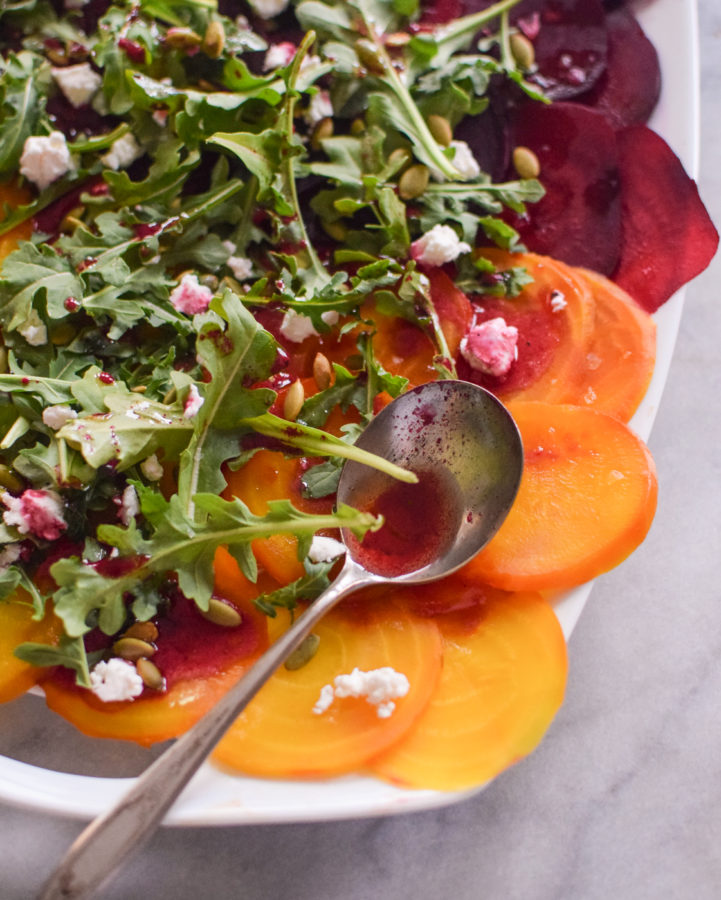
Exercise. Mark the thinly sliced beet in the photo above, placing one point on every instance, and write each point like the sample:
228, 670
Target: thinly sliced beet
627, 92
487, 136
667, 235
579, 219
571, 45
569, 38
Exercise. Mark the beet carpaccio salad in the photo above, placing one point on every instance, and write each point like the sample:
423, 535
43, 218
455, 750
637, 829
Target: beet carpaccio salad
231, 233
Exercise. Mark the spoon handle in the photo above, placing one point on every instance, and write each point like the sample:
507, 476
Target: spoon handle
113, 836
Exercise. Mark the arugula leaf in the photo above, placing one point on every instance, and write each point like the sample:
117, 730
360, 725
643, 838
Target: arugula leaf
22, 86
69, 652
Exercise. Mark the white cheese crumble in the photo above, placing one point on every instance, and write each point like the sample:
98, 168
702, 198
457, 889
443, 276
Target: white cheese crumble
151, 468
129, 505
266, 9
319, 108
35, 512
325, 549
160, 117
438, 246
279, 55
464, 160
379, 687
193, 402
558, 301
56, 416
34, 330
78, 83
190, 296
491, 347
45, 158
122, 153
240, 266
115, 680
296, 327
9, 554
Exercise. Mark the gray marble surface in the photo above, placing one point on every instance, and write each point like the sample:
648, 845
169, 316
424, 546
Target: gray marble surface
622, 799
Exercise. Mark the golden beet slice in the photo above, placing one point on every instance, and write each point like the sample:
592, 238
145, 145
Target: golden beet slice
586, 501
16, 627
621, 353
501, 684
279, 734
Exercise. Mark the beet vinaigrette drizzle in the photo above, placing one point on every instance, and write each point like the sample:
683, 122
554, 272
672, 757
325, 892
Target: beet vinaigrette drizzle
420, 523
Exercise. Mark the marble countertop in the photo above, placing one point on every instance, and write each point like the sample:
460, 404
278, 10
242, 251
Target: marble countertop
623, 797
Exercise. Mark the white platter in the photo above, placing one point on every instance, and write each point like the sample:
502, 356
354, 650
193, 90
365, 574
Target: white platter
217, 798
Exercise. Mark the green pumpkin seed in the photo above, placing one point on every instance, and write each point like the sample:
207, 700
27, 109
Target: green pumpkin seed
144, 631
150, 673
523, 51
221, 613
214, 40
526, 163
322, 371
303, 653
294, 400
9, 480
323, 130
132, 648
441, 130
413, 182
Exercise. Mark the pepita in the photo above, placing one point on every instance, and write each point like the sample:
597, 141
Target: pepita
399, 157
214, 40
9, 480
441, 130
526, 163
62, 334
523, 51
183, 38
132, 648
221, 613
369, 57
294, 399
322, 371
303, 653
144, 631
150, 673
413, 182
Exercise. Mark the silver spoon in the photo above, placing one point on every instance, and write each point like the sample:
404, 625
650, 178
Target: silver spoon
464, 444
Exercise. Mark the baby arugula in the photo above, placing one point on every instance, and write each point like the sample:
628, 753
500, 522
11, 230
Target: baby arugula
232, 163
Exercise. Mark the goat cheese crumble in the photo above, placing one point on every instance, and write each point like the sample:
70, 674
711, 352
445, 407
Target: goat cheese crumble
464, 160
45, 158
122, 153
115, 680
379, 687
35, 512
279, 55
438, 246
190, 296
193, 402
78, 83
267, 9
491, 347
325, 549
56, 416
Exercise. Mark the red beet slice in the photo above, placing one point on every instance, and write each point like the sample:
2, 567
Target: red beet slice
579, 219
627, 92
569, 38
667, 235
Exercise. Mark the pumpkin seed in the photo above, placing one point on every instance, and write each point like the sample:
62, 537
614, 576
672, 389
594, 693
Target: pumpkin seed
441, 130
526, 163
62, 334
413, 182
214, 40
221, 613
303, 653
294, 399
369, 57
150, 673
144, 631
357, 127
183, 38
322, 371
523, 51
400, 157
132, 648
9, 480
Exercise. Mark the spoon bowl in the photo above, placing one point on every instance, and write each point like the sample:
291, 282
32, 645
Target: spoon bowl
465, 447
466, 451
